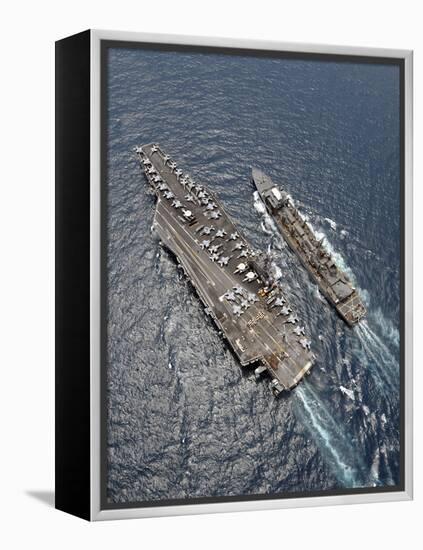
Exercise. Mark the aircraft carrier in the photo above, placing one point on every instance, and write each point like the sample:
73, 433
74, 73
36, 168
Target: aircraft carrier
233, 281
332, 281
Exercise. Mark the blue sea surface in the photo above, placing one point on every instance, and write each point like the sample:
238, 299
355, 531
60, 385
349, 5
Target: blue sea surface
184, 419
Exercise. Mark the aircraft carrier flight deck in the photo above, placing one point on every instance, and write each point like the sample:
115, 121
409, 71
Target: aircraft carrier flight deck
233, 281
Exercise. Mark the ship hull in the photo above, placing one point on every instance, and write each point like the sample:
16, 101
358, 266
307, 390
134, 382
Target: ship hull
346, 306
334, 284
222, 267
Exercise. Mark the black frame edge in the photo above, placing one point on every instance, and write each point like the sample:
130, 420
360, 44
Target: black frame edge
72, 222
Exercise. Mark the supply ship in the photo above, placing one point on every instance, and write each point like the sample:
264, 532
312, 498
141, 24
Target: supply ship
234, 282
333, 283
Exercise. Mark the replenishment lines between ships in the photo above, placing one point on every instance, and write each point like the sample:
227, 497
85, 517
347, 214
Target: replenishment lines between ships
234, 283
331, 280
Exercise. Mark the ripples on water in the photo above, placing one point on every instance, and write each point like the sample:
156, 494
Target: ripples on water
184, 420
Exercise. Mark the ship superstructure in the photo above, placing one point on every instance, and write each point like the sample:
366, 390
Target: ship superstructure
232, 280
334, 284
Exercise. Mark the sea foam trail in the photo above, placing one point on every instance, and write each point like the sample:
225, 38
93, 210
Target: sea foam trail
268, 226
383, 362
330, 439
333, 224
387, 328
380, 346
347, 464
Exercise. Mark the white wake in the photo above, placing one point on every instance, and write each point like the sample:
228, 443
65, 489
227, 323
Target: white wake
331, 437
383, 361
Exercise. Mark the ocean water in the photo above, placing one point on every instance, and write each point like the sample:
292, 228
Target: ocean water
184, 420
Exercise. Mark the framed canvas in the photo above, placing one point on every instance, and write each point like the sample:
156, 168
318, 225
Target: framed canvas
233, 275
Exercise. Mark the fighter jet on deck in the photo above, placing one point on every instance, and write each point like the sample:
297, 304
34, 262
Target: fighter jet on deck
236, 298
